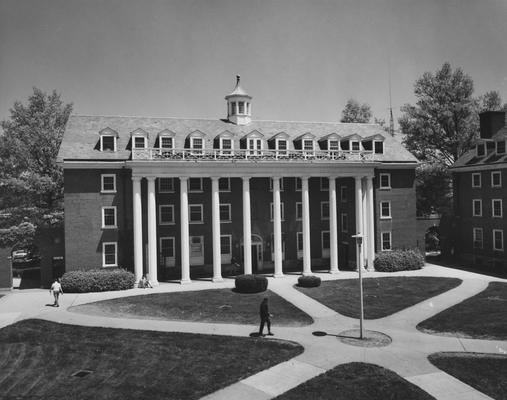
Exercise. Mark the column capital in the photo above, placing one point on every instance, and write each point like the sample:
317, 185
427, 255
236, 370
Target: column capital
183, 178
136, 178
246, 178
358, 178
151, 178
214, 178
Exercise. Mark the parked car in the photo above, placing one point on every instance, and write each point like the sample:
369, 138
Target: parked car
24, 258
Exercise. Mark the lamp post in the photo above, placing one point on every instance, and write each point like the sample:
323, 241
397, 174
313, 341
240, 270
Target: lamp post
359, 242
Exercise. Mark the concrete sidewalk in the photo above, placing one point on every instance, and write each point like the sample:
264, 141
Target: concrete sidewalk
406, 355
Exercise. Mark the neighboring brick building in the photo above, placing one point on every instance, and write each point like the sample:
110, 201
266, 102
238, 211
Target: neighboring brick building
480, 196
135, 186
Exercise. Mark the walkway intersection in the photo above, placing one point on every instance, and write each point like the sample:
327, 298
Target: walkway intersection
406, 355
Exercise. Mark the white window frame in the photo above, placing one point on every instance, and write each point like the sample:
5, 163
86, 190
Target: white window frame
381, 209
102, 190
161, 189
325, 251
478, 201
171, 262
500, 141
228, 206
475, 175
383, 175
191, 190
226, 257
344, 226
352, 142
223, 151
324, 187
160, 222
390, 240
161, 139
271, 185
256, 149
282, 152
104, 244
478, 244
201, 208
500, 231
343, 190
493, 174
228, 188
333, 145
322, 205
197, 150
104, 226
298, 184
134, 146
282, 212
299, 250
308, 151
299, 217
102, 143
196, 259
493, 201
483, 146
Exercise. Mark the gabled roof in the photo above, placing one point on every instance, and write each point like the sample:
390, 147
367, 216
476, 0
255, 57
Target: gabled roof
353, 136
306, 135
331, 136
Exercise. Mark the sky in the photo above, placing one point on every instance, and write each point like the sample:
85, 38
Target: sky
300, 60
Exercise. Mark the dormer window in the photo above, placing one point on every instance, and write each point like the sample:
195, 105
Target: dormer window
355, 145
481, 149
378, 147
225, 146
254, 146
281, 147
166, 142
500, 147
333, 145
107, 143
139, 142
197, 145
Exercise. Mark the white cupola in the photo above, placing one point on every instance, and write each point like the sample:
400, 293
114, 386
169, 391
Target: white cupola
239, 106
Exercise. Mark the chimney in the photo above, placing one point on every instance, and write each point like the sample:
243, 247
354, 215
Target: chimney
491, 122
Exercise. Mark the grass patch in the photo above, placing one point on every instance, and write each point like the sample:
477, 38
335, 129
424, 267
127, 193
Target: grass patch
382, 296
356, 381
214, 305
39, 358
480, 317
484, 372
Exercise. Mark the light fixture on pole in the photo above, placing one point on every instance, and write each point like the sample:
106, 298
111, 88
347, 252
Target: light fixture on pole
359, 242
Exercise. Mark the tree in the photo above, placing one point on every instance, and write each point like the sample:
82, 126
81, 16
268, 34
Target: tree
491, 101
433, 188
31, 183
355, 112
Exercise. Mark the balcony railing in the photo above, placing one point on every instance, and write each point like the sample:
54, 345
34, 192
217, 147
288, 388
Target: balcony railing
251, 155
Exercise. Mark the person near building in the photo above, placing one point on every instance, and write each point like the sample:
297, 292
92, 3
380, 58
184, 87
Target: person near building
265, 317
56, 289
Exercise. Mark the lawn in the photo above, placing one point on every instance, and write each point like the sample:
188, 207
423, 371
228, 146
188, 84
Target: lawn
480, 317
214, 305
382, 296
484, 372
39, 358
357, 381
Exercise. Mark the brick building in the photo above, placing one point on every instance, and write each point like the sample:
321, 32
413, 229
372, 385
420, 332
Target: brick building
177, 198
480, 192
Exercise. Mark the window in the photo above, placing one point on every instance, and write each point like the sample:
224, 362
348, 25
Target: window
476, 180
481, 149
281, 147
333, 145
271, 184
308, 145
166, 142
282, 213
325, 243
496, 208
224, 185
241, 107
324, 210
107, 143
195, 184
225, 245
385, 209
248, 108
343, 194
166, 214
298, 184
109, 254
478, 238
496, 179
354, 145
345, 222
498, 239
477, 208
254, 146
225, 213
197, 145
167, 252
324, 184
109, 217
385, 181
500, 147
379, 147
299, 211
165, 185
386, 241
225, 146
299, 244
196, 250
139, 142
195, 213
233, 108
108, 183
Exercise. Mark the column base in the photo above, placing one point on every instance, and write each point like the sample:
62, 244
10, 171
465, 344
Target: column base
307, 273
154, 283
217, 279
334, 271
370, 269
185, 281
278, 275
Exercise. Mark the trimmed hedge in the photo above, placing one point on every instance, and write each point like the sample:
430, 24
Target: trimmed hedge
398, 260
97, 280
309, 281
251, 283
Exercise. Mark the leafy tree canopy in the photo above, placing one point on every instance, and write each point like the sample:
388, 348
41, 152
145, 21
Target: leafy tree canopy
355, 112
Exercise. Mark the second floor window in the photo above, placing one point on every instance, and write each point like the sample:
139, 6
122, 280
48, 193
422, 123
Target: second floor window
476, 180
324, 210
195, 213
195, 184
166, 214
478, 238
496, 205
225, 213
496, 179
385, 181
108, 183
385, 209
109, 217
165, 185
498, 239
477, 208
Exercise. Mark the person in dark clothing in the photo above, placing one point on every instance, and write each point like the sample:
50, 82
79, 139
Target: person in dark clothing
265, 317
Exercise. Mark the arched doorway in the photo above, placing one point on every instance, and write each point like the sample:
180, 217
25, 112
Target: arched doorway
257, 253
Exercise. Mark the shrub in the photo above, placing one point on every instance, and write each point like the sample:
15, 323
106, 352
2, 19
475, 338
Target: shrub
97, 280
398, 260
251, 283
309, 281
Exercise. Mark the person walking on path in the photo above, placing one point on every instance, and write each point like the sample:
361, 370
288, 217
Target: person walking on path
265, 317
56, 288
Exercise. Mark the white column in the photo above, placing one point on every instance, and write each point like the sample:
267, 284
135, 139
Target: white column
247, 231
371, 223
185, 249
307, 259
364, 229
215, 203
138, 228
277, 228
333, 226
152, 232
359, 217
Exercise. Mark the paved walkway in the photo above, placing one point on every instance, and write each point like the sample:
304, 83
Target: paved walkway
406, 355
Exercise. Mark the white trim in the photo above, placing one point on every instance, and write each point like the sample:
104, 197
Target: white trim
160, 222
271, 185
190, 190
226, 257
159, 184
492, 179
388, 187
134, 137
343, 190
475, 238
494, 240
281, 152
475, 174
197, 150
102, 176
493, 208
104, 226
228, 189
322, 216
169, 261
226, 152
337, 141
115, 142
104, 244
473, 207
381, 214
282, 211
390, 240
225, 221
296, 188
190, 214
342, 215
